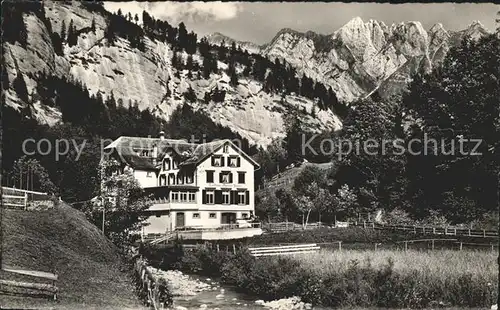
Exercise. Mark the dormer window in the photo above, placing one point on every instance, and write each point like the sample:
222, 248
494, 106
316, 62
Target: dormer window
145, 153
166, 164
234, 161
225, 148
217, 161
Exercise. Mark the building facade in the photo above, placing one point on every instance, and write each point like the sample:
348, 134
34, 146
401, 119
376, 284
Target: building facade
203, 185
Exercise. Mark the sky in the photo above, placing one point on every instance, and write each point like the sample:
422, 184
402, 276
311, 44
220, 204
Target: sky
259, 22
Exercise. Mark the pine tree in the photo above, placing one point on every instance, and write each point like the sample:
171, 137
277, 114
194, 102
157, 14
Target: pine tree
72, 35
136, 18
20, 88
232, 74
63, 31
5, 79
119, 13
182, 35
206, 66
92, 26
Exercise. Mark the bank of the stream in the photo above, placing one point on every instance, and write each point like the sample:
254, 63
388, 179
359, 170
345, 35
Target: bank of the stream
368, 280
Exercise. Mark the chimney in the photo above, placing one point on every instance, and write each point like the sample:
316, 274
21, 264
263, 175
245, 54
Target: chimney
162, 135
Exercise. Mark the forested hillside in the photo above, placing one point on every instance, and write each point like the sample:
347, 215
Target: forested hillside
441, 162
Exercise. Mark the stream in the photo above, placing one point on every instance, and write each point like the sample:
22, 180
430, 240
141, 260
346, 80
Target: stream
197, 292
223, 298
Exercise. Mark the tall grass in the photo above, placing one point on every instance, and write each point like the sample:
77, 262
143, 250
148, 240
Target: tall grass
349, 278
442, 265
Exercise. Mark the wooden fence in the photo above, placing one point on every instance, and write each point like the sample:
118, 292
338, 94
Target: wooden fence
14, 198
426, 230
431, 230
284, 250
152, 291
30, 288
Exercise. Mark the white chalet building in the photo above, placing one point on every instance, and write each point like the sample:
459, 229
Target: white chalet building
194, 185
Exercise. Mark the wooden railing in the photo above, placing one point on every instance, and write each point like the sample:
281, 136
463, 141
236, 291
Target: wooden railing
14, 198
416, 229
284, 250
41, 288
430, 230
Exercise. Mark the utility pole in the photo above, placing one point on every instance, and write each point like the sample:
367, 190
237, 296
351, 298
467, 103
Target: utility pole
103, 214
498, 205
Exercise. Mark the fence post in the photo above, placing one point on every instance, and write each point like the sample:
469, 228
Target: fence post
432, 244
445, 230
25, 201
455, 231
340, 245
433, 230
423, 230
364, 224
217, 247
461, 246
406, 245
234, 249
415, 230
484, 233
469, 232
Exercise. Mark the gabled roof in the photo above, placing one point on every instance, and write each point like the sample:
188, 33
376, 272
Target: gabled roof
127, 149
206, 149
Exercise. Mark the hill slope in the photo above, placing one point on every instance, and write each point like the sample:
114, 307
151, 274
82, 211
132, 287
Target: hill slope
62, 240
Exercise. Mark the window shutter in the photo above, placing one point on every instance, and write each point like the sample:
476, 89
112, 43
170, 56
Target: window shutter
230, 177
232, 197
247, 197
238, 162
222, 161
213, 161
204, 199
220, 177
218, 197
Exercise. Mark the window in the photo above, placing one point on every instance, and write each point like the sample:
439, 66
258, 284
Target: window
189, 178
166, 164
149, 174
171, 179
180, 179
226, 148
174, 164
192, 197
241, 177
212, 215
184, 197
209, 197
244, 215
225, 198
241, 198
145, 153
175, 196
196, 215
210, 176
234, 161
226, 177
217, 161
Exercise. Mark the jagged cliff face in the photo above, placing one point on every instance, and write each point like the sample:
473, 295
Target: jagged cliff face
361, 57
143, 76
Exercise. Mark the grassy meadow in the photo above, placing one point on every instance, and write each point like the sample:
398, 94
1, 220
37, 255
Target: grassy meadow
352, 278
436, 265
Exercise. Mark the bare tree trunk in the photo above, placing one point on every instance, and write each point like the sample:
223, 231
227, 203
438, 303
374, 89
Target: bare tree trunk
307, 218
